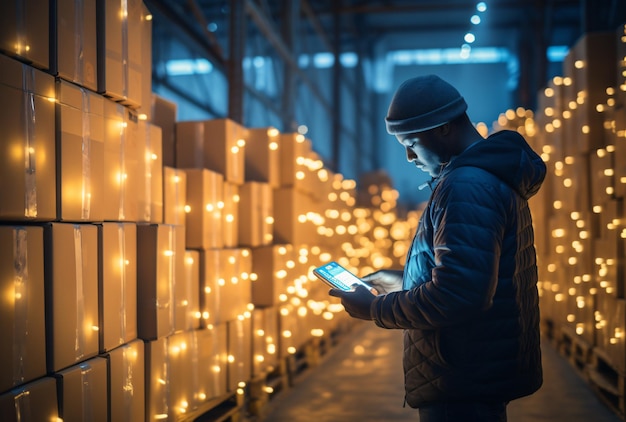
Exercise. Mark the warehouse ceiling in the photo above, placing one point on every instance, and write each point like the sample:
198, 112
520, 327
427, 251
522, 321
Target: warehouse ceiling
344, 21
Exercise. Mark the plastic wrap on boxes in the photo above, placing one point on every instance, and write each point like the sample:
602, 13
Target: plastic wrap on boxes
117, 284
157, 379
24, 30
160, 264
71, 261
74, 51
83, 391
127, 382
35, 401
80, 139
120, 32
22, 319
121, 163
150, 190
27, 163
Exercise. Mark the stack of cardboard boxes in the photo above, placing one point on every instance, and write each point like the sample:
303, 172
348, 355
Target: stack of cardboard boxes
580, 130
149, 266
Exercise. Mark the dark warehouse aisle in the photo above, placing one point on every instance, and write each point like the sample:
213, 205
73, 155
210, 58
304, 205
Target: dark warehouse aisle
361, 380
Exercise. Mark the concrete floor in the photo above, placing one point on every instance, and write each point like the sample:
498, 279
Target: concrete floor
346, 387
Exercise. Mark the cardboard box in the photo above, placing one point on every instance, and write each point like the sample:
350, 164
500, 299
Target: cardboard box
117, 284
620, 84
293, 150
120, 31
230, 215
127, 380
174, 196
215, 145
74, 52
182, 377
602, 181
239, 353
186, 294
164, 115
225, 284
27, 154
291, 222
22, 319
212, 362
25, 31
262, 156
256, 210
145, 108
83, 391
71, 262
36, 401
620, 151
271, 265
265, 339
121, 163
80, 140
591, 65
160, 266
205, 202
192, 284
157, 379
150, 201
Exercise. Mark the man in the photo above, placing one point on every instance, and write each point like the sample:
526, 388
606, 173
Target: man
467, 298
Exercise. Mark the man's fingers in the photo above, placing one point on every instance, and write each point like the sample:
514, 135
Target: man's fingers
335, 292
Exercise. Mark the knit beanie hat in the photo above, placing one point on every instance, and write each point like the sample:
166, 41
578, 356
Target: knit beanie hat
423, 103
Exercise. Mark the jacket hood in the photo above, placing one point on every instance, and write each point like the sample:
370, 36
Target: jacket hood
507, 156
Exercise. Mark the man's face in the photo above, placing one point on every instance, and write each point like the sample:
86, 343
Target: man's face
425, 149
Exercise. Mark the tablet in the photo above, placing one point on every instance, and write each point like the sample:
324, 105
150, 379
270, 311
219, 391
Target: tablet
338, 277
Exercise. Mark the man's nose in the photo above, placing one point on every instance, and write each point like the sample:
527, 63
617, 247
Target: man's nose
410, 155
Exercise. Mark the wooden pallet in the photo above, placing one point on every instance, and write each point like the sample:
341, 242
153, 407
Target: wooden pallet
263, 387
227, 408
608, 383
573, 347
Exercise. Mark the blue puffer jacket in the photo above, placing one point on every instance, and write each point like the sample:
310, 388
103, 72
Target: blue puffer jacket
470, 307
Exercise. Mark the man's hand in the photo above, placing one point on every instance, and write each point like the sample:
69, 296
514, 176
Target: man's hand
357, 303
385, 281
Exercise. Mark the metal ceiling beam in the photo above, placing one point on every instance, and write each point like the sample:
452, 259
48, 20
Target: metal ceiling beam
199, 15
181, 23
316, 24
433, 6
274, 39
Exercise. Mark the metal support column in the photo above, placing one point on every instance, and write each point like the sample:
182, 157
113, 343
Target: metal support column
290, 20
336, 95
235, 60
